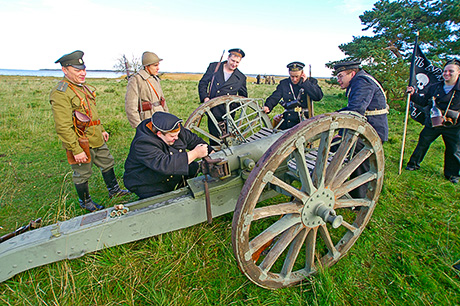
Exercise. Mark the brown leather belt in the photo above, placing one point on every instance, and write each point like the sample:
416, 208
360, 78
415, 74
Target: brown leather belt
95, 122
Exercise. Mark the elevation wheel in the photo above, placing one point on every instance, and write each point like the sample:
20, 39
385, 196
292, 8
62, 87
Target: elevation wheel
243, 118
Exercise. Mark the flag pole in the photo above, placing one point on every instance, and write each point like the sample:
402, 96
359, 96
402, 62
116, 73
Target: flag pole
407, 105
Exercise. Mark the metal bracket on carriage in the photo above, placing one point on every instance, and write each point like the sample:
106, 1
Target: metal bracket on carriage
216, 168
225, 133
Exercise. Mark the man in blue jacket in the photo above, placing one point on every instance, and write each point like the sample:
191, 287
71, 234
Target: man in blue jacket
366, 97
220, 79
162, 155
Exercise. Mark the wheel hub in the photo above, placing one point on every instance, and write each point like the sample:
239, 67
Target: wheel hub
319, 208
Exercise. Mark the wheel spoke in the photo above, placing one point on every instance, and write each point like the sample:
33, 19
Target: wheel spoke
310, 250
348, 203
214, 120
301, 165
354, 183
323, 155
197, 129
349, 227
324, 233
276, 210
348, 169
293, 253
270, 178
340, 155
279, 247
271, 232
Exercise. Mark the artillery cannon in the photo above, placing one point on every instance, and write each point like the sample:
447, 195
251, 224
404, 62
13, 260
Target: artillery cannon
289, 190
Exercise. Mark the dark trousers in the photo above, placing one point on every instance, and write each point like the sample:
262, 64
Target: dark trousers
451, 138
361, 191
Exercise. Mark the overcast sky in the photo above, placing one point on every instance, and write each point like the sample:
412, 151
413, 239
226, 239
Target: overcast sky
186, 34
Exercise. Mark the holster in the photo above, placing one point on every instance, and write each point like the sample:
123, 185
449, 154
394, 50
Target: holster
81, 122
146, 106
84, 144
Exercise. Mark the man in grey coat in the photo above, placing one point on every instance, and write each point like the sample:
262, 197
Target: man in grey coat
144, 95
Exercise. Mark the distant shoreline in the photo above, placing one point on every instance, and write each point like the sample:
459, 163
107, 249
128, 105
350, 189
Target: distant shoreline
115, 74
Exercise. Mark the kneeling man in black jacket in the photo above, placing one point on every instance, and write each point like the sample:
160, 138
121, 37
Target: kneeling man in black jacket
162, 155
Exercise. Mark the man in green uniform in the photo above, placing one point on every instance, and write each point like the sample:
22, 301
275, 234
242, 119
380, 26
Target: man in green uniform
79, 128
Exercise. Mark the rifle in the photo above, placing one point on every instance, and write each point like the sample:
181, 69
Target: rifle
32, 225
214, 74
309, 103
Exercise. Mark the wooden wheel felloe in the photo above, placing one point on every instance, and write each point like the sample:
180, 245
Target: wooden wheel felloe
244, 117
317, 215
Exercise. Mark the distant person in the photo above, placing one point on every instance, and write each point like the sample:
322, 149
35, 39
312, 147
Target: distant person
291, 90
222, 79
258, 79
366, 97
446, 97
79, 127
144, 95
162, 155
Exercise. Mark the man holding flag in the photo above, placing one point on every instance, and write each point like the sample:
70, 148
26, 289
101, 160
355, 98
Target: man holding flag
444, 99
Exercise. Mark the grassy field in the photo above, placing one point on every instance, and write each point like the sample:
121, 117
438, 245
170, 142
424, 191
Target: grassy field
404, 257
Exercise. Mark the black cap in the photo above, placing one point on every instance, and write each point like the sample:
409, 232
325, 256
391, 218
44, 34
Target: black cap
237, 52
346, 65
295, 66
74, 59
165, 122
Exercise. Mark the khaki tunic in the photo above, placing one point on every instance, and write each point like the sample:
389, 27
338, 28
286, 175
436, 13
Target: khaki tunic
64, 101
138, 91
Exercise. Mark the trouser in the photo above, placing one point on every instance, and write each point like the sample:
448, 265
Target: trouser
101, 157
361, 191
219, 111
451, 138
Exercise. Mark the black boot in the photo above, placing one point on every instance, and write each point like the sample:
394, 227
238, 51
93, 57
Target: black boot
112, 184
85, 200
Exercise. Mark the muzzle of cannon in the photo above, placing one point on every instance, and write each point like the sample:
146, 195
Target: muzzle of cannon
292, 193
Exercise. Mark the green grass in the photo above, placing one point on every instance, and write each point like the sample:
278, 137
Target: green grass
404, 256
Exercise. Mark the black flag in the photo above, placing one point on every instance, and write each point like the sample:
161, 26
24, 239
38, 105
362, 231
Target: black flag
425, 73
422, 75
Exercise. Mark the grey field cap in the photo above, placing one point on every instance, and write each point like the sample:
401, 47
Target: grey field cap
149, 58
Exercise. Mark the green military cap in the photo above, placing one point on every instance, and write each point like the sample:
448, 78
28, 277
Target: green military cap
295, 66
166, 122
74, 59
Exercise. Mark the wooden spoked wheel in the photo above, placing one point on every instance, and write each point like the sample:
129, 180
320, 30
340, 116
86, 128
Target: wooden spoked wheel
315, 218
243, 117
